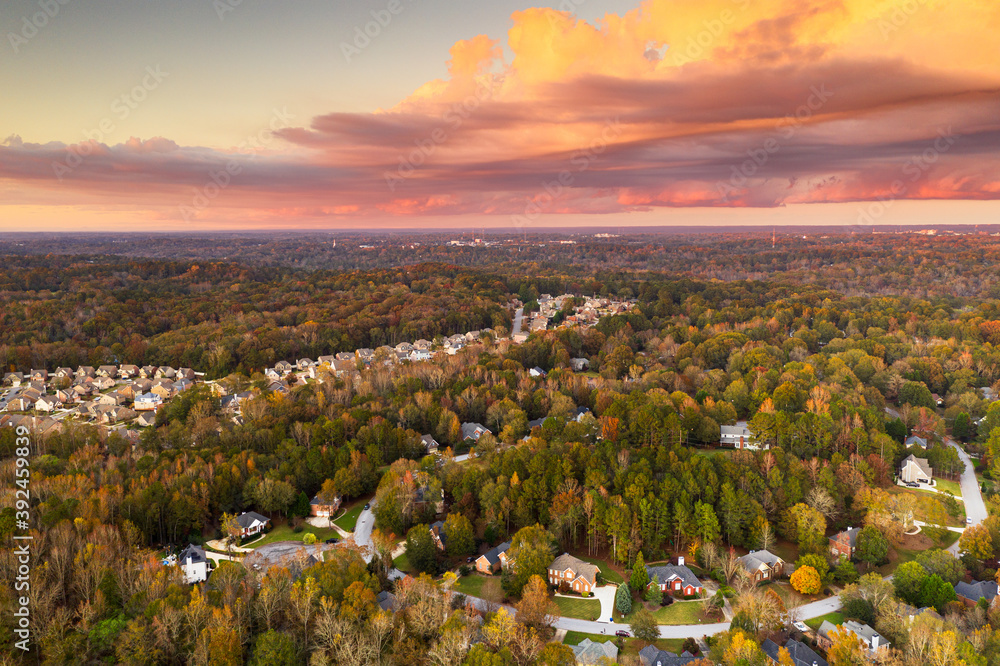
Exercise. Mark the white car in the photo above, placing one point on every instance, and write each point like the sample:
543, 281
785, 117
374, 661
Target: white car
801, 626
968, 521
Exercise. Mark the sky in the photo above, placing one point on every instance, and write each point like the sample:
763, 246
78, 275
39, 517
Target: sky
247, 114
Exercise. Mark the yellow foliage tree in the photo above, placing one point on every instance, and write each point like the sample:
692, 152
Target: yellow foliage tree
806, 580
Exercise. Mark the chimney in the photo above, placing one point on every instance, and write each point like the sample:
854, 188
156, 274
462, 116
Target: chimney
680, 560
874, 642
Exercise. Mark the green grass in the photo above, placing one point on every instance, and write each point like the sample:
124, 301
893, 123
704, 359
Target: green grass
832, 618
349, 519
471, 585
632, 645
679, 612
285, 533
582, 609
608, 573
403, 564
951, 486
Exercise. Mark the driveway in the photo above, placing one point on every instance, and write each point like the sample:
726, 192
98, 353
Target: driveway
975, 507
518, 315
606, 595
363, 533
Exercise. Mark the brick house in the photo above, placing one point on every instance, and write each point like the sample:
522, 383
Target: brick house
492, 560
677, 579
845, 542
579, 575
763, 565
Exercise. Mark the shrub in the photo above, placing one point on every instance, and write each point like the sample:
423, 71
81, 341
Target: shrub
563, 587
464, 570
309, 539
296, 529
690, 645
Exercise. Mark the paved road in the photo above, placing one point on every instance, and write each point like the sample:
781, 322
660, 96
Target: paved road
363, 533
975, 507
518, 315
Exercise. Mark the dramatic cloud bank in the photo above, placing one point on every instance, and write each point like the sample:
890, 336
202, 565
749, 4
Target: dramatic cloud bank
722, 103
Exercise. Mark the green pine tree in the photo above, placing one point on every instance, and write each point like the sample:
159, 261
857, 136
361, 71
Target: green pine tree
640, 578
623, 600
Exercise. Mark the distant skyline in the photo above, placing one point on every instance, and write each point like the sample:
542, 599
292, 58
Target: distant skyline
221, 114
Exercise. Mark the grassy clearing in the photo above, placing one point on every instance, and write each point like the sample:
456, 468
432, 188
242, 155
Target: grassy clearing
679, 612
349, 519
951, 486
403, 564
609, 574
631, 645
471, 585
285, 533
832, 618
581, 609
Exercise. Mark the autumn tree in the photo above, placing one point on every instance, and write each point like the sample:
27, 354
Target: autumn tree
535, 609
644, 627
806, 580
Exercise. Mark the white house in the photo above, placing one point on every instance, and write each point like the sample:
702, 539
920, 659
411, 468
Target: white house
738, 436
147, 402
915, 470
194, 564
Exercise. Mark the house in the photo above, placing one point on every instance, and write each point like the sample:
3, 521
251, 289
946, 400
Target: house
13, 379
103, 383
654, 656
677, 579
430, 443
304, 363
580, 576
252, 523
439, 536
20, 404
128, 370
971, 593
41, 375
989, 394
491, 561
420, 355
763, 565
915, 470
165, 372
47, 403
109, 371
423, 345
85, 371
589, 653
147, 402
938, 400
872, 640
323, 506
146, 419
194, 564
845, 542
63, 373
537, 372
473, 431
801, 654
148, 371
579, 364
914, 440
738, 436
386, 601
284, 367
164, 388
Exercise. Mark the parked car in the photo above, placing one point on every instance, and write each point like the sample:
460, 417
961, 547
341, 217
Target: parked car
912, 484
623, 634
468, 560
801, 626
368, 506
333, 540
968, 521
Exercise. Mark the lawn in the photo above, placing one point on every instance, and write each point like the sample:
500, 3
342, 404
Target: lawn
679, 612
632, 645
285, 533
833, 618
609, 574
951, 486
471, 585
403, 564
349, 519
581, 609
931, 508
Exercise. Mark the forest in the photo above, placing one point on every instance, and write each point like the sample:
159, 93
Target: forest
834, 351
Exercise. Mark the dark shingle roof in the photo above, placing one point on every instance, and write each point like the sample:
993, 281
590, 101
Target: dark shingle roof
493, 554
801, 654
665, 572
978, 589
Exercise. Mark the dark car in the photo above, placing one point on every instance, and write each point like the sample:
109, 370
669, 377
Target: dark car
468, 560
333, 540
623, 633
912, 484
368, 506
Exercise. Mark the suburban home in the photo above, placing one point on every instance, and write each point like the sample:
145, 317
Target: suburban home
579, 575
420, 355
85, 371
128, 370
473, 431
47, 403
971, 593
66, 395
284, 367
148, 371
109, 371
738, 436
430, 443
915, 470
914, 440
165, 372
677, 579
872, 639
164, 388
146, 419
763, 565
13, 379
20, 404
654, 656
537, 372
304, 363
589, 653
104, 383
579, 364
147, 402
386, 601
492, 560
252, 523
40, 375
194, 564
845, 542
801, 654
423, 345
439, 536
64, 373
324, 507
